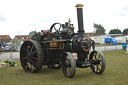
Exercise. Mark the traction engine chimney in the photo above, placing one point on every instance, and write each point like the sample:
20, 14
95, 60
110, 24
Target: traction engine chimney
80, 19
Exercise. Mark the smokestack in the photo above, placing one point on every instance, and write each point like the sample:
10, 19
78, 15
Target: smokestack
80, 19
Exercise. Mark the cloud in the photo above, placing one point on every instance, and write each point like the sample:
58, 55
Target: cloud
2, 18
125, 8
49, 19
123, 14
31, 24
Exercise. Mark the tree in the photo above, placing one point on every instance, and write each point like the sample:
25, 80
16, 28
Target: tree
99, 29
125, 31
115, 31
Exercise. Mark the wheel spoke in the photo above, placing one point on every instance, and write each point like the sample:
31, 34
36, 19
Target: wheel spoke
69, 68
99, 57
26, 50
100, 64
54, 28
68, 72
25, 58
98, 68
33, 52
31, 49
28, 66
59, 27
95, 54
34, 58
33, 64
100, 61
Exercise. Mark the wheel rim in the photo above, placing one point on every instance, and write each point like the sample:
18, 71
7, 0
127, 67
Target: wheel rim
68, 65
98, 64
29, 57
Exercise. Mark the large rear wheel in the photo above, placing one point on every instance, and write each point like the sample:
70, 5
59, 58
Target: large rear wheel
31, 56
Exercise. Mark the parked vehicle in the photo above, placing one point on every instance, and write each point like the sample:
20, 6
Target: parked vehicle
6, 48
111, 40
2, 48
12, 46
18, 46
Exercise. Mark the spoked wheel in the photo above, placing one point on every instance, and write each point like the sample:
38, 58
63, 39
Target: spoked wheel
68, 65
98, 62
55, 66
31, 56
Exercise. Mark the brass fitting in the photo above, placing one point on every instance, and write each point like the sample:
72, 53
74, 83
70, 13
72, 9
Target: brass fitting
79, 5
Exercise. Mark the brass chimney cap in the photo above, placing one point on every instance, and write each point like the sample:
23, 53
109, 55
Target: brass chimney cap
79, 5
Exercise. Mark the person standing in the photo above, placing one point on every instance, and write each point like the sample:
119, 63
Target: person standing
93, 45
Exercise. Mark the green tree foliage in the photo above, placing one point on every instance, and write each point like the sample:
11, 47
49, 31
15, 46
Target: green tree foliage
115, 31
99, 29
125, 31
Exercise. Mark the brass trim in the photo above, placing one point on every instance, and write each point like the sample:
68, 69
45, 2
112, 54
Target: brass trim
71, 46
51, 48
54, 41
54, 45
86, 50
79, 6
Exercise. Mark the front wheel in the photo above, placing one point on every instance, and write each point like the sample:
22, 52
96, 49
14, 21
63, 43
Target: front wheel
98, 62
68, 65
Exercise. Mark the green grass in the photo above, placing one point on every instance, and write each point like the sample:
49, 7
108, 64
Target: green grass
8, 51
116, 73
102, 45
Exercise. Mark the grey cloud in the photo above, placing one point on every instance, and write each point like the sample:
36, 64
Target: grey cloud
123, 14
124, 11
2, 18
31, 24
1, 32
48, 19
125, 8
43, 20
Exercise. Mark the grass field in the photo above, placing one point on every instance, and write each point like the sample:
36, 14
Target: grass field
116, 73
102, 45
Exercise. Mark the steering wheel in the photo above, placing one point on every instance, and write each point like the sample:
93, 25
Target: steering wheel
53, 26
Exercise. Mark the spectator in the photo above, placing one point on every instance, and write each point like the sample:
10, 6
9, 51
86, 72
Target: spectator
93, 45
126, 40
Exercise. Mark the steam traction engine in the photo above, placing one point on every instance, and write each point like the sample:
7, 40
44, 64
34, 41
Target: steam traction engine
54, 48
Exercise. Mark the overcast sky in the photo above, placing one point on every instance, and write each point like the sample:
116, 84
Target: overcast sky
22, 16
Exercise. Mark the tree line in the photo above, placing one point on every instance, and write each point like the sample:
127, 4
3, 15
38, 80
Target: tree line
100, 30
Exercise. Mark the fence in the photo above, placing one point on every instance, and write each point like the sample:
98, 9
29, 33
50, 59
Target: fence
109, 48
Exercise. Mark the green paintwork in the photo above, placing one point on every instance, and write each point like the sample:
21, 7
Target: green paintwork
67, 47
